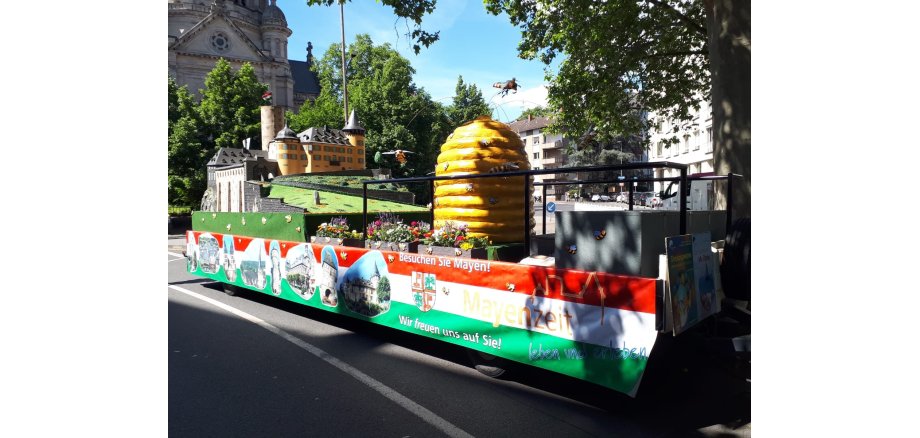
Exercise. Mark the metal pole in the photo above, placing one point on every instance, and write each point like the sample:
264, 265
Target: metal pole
684, 192
528, 196
431, 204
544, 207
728, 204
630, 195
364, 228
344, 82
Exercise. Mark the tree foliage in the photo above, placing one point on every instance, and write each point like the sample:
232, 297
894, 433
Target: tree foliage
408, 9
227, 114
394, 111
537, 111
230, 103
383, 289
467, 104
622, 58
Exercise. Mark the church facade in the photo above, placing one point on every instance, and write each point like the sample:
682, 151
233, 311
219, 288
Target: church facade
240, 31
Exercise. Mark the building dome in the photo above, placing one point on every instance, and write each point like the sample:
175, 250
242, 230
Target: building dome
286, 133
273, 15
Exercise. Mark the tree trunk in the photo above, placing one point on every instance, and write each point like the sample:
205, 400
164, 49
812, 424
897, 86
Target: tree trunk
729, 25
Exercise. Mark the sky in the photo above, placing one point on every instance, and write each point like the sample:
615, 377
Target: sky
473, 43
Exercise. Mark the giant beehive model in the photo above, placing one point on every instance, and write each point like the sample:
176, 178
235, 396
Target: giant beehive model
492, 207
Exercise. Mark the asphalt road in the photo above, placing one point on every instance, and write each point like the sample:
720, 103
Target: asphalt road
255, 365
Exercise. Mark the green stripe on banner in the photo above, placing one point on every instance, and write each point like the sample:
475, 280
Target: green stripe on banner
616, 367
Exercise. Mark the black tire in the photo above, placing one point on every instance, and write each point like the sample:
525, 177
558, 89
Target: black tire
487, 364
736, 261
231, 290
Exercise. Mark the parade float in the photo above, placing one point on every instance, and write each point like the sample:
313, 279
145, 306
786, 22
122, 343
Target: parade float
593, 319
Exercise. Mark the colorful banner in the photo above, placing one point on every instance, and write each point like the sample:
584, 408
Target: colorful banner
692, 279
593, 326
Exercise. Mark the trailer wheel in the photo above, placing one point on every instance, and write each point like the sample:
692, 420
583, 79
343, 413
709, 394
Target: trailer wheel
736, 261
487, 364
231, 290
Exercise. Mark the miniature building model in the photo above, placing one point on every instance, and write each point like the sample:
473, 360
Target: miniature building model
319, 149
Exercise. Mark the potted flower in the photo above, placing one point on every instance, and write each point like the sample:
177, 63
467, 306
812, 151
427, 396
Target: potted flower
389, 232
337, 232
452, 240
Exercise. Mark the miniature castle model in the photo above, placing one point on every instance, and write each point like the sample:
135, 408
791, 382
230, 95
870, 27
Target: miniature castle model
318, 149
233, 173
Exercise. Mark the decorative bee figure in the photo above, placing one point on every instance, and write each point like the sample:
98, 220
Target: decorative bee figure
573, 249
510, 287
445, 166
469, 187
445, 291
506, 167
243, 220
458, 252
428, 250
600, 234
264, 220
228, 227
297, 229
390, 258
484, 142
213, 215
288, 218
344, 255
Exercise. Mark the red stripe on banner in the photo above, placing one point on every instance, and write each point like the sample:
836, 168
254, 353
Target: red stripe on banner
583, 287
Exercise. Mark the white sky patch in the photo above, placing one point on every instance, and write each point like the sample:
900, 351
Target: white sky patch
515, 103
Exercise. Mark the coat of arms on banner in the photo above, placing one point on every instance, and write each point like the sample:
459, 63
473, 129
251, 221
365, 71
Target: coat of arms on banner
423, 290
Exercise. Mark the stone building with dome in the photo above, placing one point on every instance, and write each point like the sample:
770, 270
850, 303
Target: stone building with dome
240, 31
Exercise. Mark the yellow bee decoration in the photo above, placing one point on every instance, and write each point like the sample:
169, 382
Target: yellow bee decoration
600, 234
573, 249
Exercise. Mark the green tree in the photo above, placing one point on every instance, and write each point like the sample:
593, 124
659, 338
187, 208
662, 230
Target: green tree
186, 154
324, 111
468, 104
537, 111
186, 160
589, 150
396, 113
229, 108
227, 114
662, 56
383, 289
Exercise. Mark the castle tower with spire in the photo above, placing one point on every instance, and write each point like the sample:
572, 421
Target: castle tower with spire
355, 133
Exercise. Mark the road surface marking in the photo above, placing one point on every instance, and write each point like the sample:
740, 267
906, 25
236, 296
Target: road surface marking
174, 254
411, 406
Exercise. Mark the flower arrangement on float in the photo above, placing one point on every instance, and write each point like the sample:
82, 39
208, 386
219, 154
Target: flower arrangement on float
390, 232
337, 232
453, 240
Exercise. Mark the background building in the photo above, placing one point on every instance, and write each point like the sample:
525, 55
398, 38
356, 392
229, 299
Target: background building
544, 150
694, 148
254, 31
